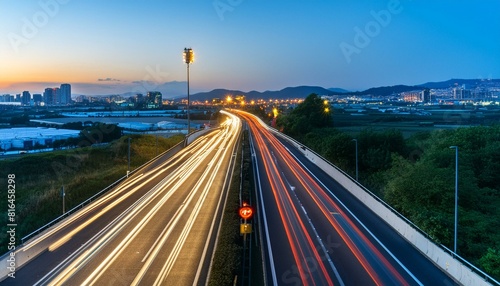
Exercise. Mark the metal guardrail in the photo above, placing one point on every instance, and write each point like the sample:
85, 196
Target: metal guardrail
478, 271
92, 198
473, 268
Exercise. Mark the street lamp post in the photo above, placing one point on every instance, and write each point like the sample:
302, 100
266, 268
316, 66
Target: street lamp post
188, 57
356, 144
456, 198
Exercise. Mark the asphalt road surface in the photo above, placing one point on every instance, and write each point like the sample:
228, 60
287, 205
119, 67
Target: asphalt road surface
316, 233
156, 228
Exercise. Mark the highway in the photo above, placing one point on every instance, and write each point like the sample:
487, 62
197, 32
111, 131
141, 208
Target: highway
157, 228
316, 233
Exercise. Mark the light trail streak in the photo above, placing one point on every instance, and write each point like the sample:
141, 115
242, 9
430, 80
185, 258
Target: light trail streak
100, 270
302, 177
310, 185
207, 185
291, 220
341, 222
162, 191
118, 191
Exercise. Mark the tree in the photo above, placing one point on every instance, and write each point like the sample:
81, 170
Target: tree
491, 262
100, 133
20, 120
305, 117
73, 125
335, 146
422, 192
375, 148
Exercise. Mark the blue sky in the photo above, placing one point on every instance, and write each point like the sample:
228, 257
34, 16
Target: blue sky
105, 47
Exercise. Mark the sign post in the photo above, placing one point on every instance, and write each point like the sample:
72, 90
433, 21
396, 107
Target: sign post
245, 213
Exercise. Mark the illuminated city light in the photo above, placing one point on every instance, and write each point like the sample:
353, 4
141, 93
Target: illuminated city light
275, 112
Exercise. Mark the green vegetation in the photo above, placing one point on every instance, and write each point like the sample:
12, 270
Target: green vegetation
95, 134
20, 120
308, 115
416, 176
83, 172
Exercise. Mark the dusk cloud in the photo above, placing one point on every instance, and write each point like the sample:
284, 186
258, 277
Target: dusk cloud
107, 79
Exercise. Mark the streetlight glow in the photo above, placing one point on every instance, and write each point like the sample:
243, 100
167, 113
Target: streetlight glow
275, 112
188, 56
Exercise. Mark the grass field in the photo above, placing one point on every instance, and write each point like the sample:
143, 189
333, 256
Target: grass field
409, 124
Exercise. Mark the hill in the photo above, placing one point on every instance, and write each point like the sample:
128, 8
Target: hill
338, 90
177, 90
289, 92
470, 83
388, 90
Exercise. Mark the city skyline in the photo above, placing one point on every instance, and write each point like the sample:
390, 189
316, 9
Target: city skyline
117, 47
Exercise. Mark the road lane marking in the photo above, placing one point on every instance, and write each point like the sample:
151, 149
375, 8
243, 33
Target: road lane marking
356, 218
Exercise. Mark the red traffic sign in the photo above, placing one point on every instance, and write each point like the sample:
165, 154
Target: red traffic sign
246, 212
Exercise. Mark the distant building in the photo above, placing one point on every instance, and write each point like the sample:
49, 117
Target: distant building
412, 96
65, 93
57, 96
26, 98
480, 94
7, 98
37, 98
139, 97
154, 100
461, 93
48, 96
426, 95
81, 99
28, 138
51, 96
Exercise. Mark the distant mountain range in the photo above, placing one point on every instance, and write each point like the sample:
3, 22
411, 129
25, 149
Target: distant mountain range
303, 91
469, 83
177, 89
289, 92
